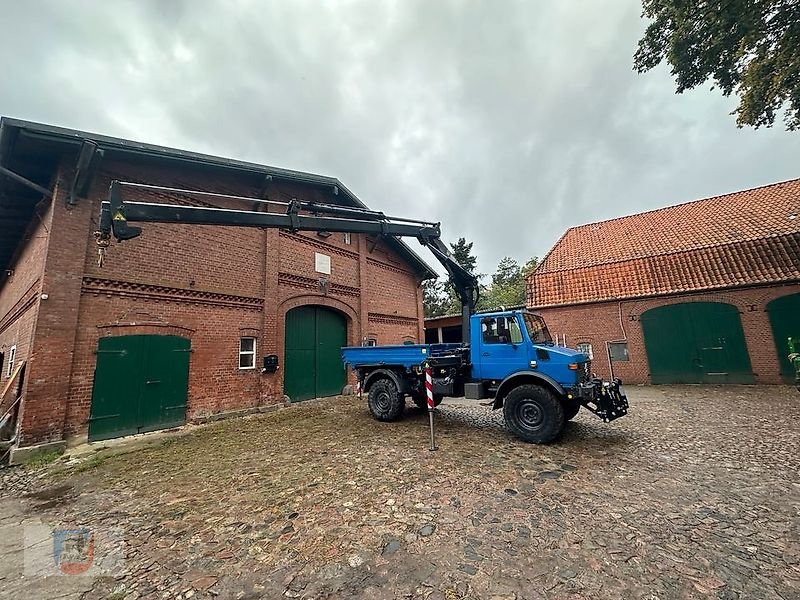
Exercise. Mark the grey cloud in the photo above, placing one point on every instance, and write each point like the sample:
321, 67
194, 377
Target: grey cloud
509, 122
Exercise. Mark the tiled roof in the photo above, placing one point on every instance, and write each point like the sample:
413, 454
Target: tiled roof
745, 238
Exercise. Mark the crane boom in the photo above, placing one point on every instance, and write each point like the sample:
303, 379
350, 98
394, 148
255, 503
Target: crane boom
116, 214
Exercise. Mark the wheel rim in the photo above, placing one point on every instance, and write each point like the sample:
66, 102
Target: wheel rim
529, 415
382, 401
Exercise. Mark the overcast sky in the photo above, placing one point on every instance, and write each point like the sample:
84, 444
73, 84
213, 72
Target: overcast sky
506, 121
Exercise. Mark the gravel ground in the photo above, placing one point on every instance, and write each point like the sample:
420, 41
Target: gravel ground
695, 494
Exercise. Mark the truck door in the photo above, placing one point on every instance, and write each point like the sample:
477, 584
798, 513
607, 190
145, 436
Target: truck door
502, 350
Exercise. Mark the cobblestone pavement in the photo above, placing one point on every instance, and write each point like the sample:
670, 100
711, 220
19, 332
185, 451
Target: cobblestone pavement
696, 494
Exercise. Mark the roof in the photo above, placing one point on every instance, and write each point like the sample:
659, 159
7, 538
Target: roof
33, 150
750, 237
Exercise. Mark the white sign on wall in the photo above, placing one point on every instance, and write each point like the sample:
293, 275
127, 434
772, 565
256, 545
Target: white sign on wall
322, 263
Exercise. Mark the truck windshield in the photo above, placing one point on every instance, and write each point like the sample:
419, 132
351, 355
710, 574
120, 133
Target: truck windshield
537, 328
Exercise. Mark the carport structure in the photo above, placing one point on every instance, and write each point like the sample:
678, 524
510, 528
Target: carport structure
702, 292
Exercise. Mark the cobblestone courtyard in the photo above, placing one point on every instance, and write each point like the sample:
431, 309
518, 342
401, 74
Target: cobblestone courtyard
695, 494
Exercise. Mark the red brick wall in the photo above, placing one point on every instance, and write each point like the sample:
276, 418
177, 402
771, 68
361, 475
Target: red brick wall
599, 323
210, 284
20, 293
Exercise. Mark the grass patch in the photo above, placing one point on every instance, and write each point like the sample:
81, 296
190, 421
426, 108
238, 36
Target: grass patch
43, 459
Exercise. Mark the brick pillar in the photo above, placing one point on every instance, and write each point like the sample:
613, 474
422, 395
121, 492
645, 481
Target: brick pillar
272, 336
50, 362
364, 286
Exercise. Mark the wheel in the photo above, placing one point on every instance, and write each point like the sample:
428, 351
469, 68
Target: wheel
571, 408
385, 401
422, 401
533, 414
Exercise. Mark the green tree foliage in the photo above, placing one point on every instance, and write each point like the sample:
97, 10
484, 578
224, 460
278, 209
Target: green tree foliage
506, 289
434, 298
508, 283
750, 47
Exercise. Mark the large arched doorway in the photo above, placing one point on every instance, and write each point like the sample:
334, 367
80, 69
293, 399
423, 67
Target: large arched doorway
313, 365
696, 342
141, 383
784, 318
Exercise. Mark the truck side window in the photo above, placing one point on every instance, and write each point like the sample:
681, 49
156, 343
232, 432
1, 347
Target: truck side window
501, 330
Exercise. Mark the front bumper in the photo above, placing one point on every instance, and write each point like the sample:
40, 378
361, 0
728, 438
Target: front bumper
606, 399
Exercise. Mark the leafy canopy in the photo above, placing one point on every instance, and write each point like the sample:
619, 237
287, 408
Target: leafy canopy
506, 289
750, 47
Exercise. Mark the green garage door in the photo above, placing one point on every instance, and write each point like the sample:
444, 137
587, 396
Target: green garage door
784, 317
141, 384
696, 342
313, 363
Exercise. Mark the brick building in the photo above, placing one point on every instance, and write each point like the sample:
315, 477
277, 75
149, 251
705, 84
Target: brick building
175, 324
702, 292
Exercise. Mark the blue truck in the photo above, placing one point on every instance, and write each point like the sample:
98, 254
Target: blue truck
507, 357
510, 360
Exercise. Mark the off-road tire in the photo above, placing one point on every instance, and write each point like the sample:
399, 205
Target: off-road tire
422, 401
571, 408
533, 414
385, 401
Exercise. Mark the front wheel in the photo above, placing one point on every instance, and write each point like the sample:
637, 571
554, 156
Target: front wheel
533, 414
571, 408
385, 401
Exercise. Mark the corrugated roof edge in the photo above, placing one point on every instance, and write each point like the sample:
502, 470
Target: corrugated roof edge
123, 145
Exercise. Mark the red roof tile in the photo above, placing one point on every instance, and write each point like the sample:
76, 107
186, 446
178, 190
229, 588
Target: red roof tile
745, 238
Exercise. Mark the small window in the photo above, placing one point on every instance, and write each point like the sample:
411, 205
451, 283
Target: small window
12, 357
370, 341
618, 351
501, 330
247, 353
346, 237
586, 348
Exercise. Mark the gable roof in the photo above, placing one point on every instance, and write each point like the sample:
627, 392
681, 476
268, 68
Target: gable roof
33, 149
749, 237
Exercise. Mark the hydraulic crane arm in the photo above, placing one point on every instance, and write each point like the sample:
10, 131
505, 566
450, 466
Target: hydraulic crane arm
116, 214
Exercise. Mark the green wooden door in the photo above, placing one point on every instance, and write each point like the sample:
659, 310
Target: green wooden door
696, 342
784, 318
141, 384
313, 358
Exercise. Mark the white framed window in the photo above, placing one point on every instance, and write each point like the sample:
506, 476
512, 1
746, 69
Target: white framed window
347, 239
247, 353
12, 357
586, 348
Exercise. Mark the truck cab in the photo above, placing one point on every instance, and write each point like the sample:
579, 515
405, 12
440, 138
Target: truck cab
518, 341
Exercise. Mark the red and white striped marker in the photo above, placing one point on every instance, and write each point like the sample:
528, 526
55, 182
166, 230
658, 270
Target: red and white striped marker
431, 405
429, 387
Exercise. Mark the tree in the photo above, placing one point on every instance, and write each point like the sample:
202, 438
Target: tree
462, 253
434, 298
508, 283
751, 47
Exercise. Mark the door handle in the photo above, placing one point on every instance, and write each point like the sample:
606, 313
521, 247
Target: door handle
154, 381
486, 354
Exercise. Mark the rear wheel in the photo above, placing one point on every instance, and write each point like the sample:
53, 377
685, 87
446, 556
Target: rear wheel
385, 401
533, 414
